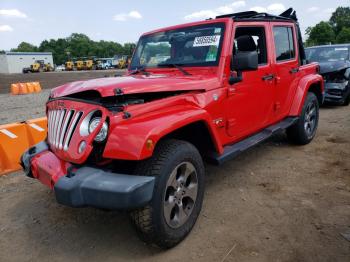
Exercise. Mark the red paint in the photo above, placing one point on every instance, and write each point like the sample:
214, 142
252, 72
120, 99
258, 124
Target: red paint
241, 109
72, 155
48, 168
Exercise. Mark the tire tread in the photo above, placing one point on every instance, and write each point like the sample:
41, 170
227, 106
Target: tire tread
142, 218
296, 133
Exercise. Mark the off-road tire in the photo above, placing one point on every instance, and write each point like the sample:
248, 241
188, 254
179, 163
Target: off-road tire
150, 221
297, 133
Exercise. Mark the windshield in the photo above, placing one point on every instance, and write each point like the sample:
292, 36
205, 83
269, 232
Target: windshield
188, 46
327, 54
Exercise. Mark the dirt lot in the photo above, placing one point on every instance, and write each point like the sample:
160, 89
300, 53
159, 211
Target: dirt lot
20, 108
276, 202
52, 79
23, 107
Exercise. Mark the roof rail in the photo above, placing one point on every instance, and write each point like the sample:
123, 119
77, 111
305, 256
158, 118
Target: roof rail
289, 14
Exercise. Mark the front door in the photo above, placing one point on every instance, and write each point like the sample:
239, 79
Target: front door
250, 102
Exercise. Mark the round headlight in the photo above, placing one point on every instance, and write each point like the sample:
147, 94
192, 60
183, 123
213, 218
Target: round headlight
101, 136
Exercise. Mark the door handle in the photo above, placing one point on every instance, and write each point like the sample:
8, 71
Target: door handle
268, 77
294, 70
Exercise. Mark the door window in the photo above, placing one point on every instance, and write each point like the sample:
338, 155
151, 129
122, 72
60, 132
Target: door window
249, 39
284, 44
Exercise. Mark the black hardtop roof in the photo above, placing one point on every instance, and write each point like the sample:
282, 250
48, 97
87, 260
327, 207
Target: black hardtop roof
288, 15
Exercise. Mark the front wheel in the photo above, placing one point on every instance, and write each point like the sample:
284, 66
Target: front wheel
177, 197
346, 100
304, 130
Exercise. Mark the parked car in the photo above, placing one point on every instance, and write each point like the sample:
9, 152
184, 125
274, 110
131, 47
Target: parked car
334, 61
138, 142
26, 70
60, 68
104, 66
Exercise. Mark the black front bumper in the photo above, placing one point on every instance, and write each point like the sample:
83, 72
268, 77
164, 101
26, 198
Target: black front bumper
336, 93
97, 188
88, 186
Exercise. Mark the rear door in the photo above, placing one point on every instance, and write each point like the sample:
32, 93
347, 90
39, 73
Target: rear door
286, 67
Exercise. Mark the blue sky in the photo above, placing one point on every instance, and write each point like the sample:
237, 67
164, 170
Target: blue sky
123, 21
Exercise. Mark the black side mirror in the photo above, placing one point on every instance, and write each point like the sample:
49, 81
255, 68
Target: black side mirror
245, 61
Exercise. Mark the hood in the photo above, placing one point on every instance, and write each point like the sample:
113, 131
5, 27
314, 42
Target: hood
137, 84
328, 67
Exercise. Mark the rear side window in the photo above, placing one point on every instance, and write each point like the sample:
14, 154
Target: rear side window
284, 44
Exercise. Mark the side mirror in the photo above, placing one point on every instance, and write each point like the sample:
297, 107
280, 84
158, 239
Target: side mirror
245, 61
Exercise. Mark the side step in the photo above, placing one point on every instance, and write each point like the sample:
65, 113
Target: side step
231, 151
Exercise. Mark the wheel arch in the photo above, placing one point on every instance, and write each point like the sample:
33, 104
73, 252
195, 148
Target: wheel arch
197, 133
309, 83
136, 140
316, 88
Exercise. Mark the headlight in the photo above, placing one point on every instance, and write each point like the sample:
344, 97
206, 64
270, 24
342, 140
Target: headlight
101, 136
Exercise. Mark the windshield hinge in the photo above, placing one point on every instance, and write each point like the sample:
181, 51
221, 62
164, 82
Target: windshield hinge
118, 92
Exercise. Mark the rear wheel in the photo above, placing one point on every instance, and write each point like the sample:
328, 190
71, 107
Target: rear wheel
304, 130
177, 197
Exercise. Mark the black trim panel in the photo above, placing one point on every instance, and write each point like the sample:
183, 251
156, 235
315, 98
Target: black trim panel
231, 151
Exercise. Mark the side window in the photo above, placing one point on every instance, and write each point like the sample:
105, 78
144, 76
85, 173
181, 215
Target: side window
284, 43
249, 39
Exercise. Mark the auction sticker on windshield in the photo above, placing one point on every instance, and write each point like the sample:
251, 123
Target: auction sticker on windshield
207, 40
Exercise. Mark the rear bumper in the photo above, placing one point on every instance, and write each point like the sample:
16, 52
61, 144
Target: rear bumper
86, 186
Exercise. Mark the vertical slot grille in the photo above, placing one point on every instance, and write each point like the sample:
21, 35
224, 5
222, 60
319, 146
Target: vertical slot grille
61, 126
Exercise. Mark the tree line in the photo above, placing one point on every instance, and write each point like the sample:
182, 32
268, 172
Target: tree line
334, 31
77, 45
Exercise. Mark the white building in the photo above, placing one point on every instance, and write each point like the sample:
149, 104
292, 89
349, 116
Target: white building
14, 62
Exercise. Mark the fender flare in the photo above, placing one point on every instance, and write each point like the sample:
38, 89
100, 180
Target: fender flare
129, 141
303, 87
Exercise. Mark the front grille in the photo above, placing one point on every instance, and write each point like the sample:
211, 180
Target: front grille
334, 92
61, 126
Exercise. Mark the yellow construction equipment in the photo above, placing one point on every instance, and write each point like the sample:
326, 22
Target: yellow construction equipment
40, 66
69, 66
124, 62
88, 65
79, 65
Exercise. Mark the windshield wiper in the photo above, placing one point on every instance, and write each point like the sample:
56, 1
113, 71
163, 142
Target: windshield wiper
138, 70
178, 66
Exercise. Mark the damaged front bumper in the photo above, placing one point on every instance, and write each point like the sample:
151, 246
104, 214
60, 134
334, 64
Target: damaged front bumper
86, 186
336, 92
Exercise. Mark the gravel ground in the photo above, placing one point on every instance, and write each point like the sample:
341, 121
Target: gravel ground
276, 202
22, 107
52, 79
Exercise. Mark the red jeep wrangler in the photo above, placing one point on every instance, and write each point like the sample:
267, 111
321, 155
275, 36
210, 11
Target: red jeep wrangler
200, 91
